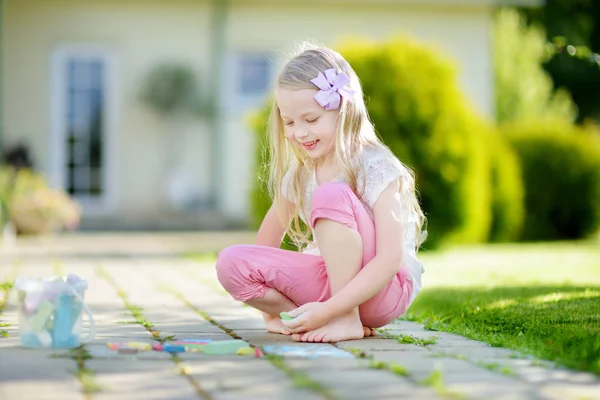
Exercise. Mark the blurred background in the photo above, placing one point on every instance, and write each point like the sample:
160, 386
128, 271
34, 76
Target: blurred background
148, 115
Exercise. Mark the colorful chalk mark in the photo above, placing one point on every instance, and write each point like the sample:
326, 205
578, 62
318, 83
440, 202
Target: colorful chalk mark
307, 351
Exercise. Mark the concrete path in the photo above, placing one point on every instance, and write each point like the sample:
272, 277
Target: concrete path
141, 289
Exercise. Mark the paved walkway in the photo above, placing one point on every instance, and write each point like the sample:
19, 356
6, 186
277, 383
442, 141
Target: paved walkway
141, 289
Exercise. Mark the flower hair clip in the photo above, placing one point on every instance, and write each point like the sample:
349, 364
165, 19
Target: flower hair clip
332, 87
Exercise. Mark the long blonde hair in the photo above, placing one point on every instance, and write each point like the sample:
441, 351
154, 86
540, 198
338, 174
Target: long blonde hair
354, 132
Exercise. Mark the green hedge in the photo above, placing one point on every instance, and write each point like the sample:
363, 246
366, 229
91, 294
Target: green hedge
419, 111
561, 171
259, 195
508, 192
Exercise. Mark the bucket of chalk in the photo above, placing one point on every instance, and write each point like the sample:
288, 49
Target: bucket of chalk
51, 312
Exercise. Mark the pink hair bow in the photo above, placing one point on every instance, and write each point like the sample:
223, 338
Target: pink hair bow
332, 87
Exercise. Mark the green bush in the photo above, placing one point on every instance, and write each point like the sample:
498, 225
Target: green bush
260, 202
561, 171
420, 113
524, 90
508, 192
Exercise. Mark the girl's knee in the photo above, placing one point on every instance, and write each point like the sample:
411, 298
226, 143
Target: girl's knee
236, 272
228, 263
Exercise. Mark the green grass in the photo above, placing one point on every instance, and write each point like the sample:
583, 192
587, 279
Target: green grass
541, 299
5, 287
436, 381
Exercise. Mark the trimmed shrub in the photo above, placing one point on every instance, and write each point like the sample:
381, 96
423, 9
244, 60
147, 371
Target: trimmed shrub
420, 113
561, 171
508, 192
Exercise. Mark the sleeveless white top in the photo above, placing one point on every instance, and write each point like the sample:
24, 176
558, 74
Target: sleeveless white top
378, 172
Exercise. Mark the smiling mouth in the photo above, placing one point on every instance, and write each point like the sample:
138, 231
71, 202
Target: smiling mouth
309, 144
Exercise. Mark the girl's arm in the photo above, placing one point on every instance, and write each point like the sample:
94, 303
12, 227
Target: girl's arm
374, 276
271, 229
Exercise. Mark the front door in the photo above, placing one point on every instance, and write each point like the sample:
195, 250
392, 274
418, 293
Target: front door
83, 124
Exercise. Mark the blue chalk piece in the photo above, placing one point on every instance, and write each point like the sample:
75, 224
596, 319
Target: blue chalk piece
61, 330
30, 340
73, 341
70, 343
174, 348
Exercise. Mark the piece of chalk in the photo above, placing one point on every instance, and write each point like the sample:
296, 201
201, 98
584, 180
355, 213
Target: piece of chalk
138, 345
127, 350
73, 341
258, 352
40, 317
224, 347
194, 346
285, 316
45, 338
157, 346
245, 351
30, 339
173, 348
62, 320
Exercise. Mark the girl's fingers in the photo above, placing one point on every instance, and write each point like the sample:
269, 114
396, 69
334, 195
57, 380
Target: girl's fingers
296, 324
292, 323
296, 311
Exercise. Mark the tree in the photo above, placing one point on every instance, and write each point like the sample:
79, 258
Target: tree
578, 21
524, 90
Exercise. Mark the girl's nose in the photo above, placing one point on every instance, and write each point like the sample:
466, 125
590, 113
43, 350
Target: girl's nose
301, 133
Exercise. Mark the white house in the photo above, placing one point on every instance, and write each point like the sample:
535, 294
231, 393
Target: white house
72, 71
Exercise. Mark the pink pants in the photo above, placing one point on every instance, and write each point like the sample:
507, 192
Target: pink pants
248, 271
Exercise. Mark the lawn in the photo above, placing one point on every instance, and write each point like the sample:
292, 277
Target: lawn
542, 299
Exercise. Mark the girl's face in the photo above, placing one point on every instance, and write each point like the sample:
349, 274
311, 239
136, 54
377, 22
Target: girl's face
306, 124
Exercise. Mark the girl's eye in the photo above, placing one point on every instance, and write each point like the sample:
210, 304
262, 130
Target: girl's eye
311, 121
288, 123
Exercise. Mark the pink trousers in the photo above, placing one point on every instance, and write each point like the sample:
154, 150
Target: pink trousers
248, 271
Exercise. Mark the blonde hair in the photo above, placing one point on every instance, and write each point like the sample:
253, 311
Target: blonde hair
354, 132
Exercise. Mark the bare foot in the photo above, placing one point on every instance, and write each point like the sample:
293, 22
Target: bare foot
274, 324
369, 331
344, 328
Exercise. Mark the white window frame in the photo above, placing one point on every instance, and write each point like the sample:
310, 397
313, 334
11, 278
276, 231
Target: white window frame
107, 202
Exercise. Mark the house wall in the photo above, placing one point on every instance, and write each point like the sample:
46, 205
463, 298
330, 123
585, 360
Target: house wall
142, 33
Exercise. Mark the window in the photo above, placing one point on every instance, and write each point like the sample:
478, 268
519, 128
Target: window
84, 139
254, 74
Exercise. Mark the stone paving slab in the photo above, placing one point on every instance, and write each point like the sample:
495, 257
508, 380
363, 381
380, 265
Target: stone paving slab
135, 379
21, 370
182, 298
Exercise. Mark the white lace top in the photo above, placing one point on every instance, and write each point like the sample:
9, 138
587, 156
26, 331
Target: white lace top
380, 172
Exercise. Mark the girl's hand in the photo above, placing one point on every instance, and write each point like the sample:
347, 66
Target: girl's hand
308, 317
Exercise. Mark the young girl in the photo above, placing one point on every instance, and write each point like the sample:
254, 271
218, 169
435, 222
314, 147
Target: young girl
331, 172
